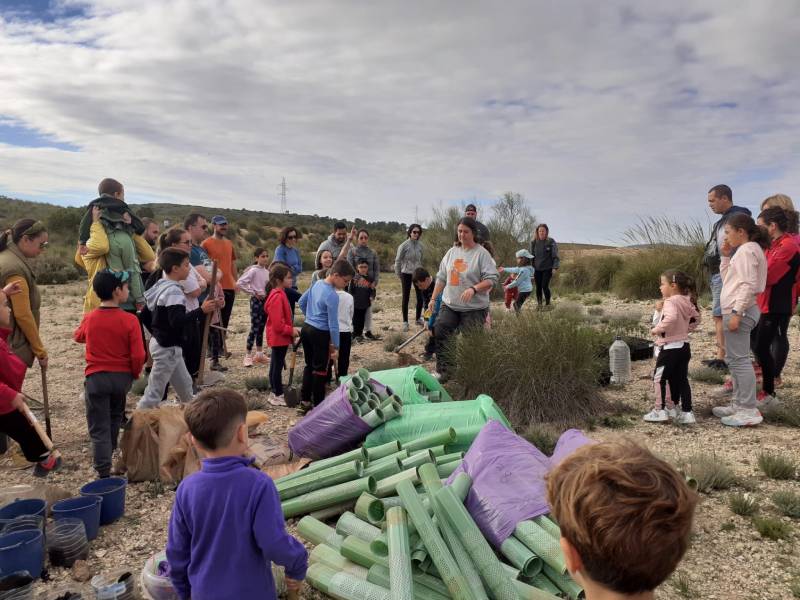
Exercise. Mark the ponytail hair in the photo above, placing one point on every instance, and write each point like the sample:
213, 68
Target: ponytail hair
22, 228
786, 220
683, 282
277, 273
755, 233
170, 238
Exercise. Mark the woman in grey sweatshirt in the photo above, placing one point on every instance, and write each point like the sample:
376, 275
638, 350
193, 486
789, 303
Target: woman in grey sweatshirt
466, 275
545, 262
409, 258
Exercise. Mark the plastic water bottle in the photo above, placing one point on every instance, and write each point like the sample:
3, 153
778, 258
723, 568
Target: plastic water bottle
619, 360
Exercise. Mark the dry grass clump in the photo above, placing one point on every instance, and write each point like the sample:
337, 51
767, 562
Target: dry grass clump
744, 505
640, 275
257, 383
542, 436
772, 528
709, 471
788, 503
776, 466
707, 375
540, 367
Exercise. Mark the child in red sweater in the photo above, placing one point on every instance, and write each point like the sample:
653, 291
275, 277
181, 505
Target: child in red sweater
280, 332
13, 420
114, 358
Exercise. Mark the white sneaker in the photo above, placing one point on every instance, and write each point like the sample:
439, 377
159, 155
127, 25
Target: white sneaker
724, 411
276, 400
656, 416
744, 417
248, 360
686, 418
672, 413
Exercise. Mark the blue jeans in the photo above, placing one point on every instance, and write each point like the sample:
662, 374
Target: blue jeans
716, 292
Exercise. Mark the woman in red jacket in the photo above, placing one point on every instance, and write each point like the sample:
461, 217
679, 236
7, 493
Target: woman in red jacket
13, 421
280, 330
778, 300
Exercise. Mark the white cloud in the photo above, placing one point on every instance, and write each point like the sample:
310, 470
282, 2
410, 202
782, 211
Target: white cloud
596, 112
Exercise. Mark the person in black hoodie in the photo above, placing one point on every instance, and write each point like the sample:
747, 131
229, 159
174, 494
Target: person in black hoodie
167, 319
362, 291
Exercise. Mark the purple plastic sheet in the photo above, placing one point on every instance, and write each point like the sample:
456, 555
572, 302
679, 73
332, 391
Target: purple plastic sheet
508, 479
570, 440
377, 386
330, 429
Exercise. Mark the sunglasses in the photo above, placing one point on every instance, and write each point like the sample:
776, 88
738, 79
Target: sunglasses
417, 231
291, 237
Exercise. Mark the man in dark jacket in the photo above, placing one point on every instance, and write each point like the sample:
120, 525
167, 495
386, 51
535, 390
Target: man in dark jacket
720, 201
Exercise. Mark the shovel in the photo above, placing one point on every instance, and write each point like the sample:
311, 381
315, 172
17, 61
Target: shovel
46, 402
291, 395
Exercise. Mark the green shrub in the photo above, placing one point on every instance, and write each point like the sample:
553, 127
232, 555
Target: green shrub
743, 505
252, 238
785, 414
592, 301
788, 503
640, 274
542, 436
53, 269
257, 383
776, 466
595, 311
539, 367
772, 528
708, 375
710, 472
590, 273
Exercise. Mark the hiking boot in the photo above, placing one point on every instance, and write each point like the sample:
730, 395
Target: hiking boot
47, 466
656, 416
724, 411
685, 418
215, 366
261, 358
248, 360
744, 417
276, 400
766, 402
405, 325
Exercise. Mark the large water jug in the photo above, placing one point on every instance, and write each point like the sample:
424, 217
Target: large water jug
619, 360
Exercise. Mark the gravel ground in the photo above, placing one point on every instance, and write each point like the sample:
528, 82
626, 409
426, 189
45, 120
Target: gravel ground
728, 559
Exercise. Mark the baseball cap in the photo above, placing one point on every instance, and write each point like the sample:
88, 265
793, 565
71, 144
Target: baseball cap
524, 254
219, 220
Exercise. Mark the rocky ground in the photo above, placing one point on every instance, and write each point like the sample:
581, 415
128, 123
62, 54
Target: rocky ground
728, 558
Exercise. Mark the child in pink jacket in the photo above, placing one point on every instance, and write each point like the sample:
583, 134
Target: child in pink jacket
679, 317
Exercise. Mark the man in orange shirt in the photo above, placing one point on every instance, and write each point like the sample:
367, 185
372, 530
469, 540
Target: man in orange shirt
221, 249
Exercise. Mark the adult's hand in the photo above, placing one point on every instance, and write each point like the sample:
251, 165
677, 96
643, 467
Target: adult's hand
467, 294
43, 362
353, 234
734, 322
96, 212
12, 288
126, 216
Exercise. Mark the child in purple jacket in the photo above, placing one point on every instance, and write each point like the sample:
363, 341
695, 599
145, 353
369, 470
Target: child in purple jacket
227, 525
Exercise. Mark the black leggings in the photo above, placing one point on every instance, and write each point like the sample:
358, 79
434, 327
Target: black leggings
293, 296
542, 278
672, 368
276, 363
316, 351
405, 280
520, 300
770, 344
16, 426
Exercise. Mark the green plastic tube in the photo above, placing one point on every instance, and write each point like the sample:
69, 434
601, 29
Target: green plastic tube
434, 396
461, 485
369, 509
383, 450
327, 497
359, 552
330, 557
529, 592
388, 486
363, 396
352, 395
373, 418
446, 458
548, 526
344, 586
543, 545
447, 469
416, 460
385, 401
349, 524
491, 570
392, 411
401, 585
374, 397
431, 581
437, 451
319, 576
432, 484
316, 532
390, 501
519, 555
357, 382
384, 468
332, 511
543, 583
437, 438
320, 479
357, 410
381, 576
372, 403
440, 555
363, 374
357, 454
564, 582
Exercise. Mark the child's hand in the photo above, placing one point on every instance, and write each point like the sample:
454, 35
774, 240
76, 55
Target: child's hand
293, 585
210, 305
296, 332
96, 212
659, 305
726, 248
126, 217
82, 249
500, 269
12, 288
18, 403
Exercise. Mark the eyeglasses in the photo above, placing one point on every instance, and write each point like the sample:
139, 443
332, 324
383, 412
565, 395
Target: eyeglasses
291, 237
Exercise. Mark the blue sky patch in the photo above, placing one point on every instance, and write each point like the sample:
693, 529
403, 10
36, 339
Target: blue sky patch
19, 135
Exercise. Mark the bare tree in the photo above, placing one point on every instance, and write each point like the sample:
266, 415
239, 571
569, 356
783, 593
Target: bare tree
512, 226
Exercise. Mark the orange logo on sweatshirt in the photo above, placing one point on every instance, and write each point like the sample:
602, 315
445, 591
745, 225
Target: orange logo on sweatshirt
459, 266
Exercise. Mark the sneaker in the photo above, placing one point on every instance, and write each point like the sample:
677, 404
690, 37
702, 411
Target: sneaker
261, 358
405, 325
744, 417
248, 360
215, 366
685, 418
672, 413
656, 416
724, 411
276, 400
766, 402
47, 466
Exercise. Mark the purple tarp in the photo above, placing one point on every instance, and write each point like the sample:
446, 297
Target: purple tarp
508, 478
331, 428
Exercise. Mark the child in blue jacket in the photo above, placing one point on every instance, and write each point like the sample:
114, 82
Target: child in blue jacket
524, 273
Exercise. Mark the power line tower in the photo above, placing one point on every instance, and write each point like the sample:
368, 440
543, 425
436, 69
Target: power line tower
282, 188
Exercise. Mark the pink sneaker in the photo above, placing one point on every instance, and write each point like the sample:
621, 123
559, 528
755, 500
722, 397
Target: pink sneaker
248, 360
261, 358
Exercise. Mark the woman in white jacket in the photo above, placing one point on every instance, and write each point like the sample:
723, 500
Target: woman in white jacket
409, 258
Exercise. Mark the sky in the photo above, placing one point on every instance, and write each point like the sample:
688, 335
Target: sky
598, 113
